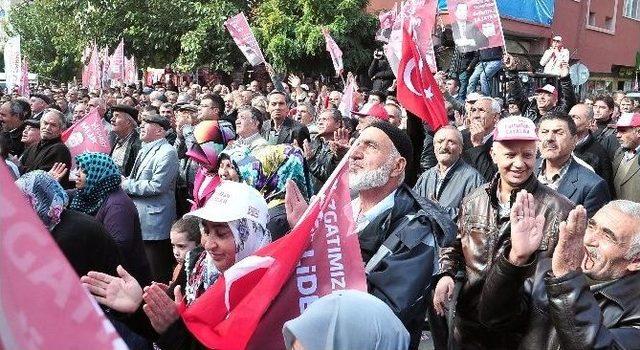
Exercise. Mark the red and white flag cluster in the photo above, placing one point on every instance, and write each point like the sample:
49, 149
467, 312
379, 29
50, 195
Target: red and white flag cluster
102, 70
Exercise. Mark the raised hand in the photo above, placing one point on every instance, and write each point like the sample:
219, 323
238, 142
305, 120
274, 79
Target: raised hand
526, 229
161, 310
442, 294
307, 151
477, 133
294, 203
569, 252
58, 170
122, 294
294, 80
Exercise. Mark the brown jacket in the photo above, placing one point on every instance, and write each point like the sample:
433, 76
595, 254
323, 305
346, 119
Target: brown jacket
627, 185
482, 236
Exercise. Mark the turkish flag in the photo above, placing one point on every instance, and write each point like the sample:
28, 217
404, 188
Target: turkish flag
247, 307
418, 91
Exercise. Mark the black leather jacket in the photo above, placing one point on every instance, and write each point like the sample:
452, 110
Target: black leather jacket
548, 312
482, 236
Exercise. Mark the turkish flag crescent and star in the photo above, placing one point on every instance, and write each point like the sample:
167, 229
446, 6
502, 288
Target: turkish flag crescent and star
418, 91
248, 305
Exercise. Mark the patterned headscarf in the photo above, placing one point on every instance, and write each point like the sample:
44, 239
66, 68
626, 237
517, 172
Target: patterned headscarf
248, 236
47, 198
211, 138
103, 178
269, 169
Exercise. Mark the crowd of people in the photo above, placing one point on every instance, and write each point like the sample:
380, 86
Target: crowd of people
515, 226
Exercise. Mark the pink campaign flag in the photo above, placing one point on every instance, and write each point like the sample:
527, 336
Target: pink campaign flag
117, 63
86, 70
89, 134
346, 104
42, 303
334, 51
476, 24
94, 69
25, 90
422, 19
241, 33
246, 308
386, 18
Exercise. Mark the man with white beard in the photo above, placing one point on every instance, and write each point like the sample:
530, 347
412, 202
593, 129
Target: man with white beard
399, 232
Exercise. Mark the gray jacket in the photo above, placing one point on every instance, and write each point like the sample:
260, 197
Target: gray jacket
457, 183
152, 188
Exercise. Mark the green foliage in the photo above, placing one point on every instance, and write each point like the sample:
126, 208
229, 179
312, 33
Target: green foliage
290, 33
189, 33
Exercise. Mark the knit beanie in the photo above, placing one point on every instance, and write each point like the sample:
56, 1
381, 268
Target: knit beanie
399, 138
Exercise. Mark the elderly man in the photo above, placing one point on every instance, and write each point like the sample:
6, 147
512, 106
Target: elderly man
484, 232
12, 117
322, 156
626, 163
587, 149
586, 296
50, 149
451, 179
547, 98
483, 117
306, 115
559, 170
248, 126
151, 185
39, 102
399, 232
79, 111
30, 134
283, 128
335, 97
125, 140
98, 103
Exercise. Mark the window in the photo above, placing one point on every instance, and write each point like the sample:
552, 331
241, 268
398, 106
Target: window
592, 18
632, 9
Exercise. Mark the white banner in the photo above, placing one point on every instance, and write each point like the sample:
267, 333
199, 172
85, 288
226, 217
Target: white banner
12, 62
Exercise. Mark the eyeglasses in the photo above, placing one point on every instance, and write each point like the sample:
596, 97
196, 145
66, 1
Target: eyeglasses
474, 109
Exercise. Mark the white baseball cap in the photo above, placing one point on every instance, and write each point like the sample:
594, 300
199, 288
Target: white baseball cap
515, 128
232, 201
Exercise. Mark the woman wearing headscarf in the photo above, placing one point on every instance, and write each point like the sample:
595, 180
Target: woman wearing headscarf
99, 194
210, 139
82, 239
347, 319
228, 236
268, 170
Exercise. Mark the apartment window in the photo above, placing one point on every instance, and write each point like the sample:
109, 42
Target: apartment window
608, 23
632, 9
592, 18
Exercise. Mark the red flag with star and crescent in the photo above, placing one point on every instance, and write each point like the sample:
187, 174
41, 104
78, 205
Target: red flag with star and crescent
418, 91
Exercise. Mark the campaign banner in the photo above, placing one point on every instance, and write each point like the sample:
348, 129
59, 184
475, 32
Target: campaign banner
421, 16
247, 307
476, 24
130, 70
393, 49
117, 63
42, 303
346, 103
12, 62
334, 51
89, 134
25, 90
386, 18
94, 70
241, 33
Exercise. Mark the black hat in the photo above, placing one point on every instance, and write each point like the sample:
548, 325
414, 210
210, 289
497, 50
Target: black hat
158, 119
399, 138
184, 106
43, 97
32, 123
126, 109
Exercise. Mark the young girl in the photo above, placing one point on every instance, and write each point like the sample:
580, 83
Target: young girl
185, 236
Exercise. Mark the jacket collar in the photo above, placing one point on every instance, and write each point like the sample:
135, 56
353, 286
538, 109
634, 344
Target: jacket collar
624, 291
531, 186
44, 143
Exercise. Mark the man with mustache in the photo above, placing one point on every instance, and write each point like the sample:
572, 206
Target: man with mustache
451, 179
483, 233
626, 163
558, 169
586, 296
